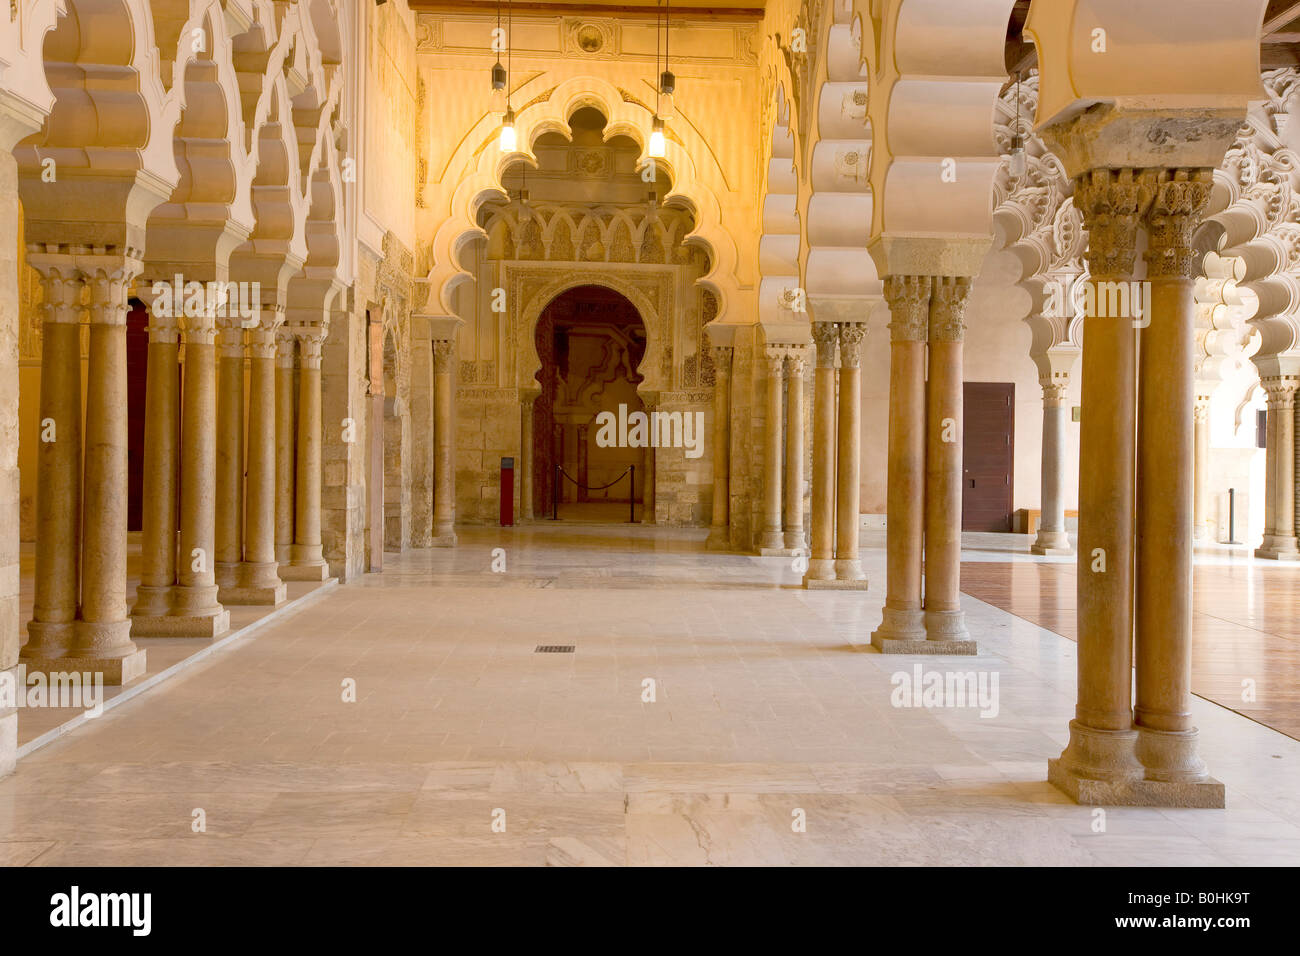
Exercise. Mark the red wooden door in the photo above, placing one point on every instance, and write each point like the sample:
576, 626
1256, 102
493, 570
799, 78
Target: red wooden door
988, 456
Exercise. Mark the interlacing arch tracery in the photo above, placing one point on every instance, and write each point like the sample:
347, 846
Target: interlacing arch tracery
585, 233
548, 111
1036, 219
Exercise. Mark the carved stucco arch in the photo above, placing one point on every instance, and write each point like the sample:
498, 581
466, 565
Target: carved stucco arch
548, 111
935, 69
835, 196
657, 324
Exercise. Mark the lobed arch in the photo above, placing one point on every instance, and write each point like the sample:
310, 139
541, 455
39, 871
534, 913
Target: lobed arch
549, 112
779, 242
935, 68
836, 200
657, 328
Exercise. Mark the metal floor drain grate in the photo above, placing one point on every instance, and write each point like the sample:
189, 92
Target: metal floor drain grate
554, 649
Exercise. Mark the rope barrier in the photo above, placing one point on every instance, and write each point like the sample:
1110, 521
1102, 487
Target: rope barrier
593, 487
631, 491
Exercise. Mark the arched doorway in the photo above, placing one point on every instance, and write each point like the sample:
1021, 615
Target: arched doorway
591, 341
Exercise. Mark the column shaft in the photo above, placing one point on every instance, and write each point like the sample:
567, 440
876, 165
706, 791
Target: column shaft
794, 451
229, 543
524, 467
104, 636
945, 429
306, 562
773, 541
259, 579
1101, 735
848, 494
1201, 511
286, 442
161, 470
821, 562
1165, 493
51, 632
444, 495
902, 621
719, 525
1052, 536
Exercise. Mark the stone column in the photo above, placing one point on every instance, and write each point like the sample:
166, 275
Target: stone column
1166, 744
719, 525
306, 561
444, 468
648, 515
794, 449
773, 540
1052, 536
1279, 493
104, 642
1201, 509
161, 469
422, 430
524, 467
1099, 760
286, 442
849, 455
196, 611
821, 562
902, 626
52, 631
259, 579
945, 622
230, 458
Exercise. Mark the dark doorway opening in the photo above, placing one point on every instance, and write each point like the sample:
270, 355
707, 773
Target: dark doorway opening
591, 341
988, 456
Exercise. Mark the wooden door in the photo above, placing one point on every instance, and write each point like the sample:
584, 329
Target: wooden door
988, 456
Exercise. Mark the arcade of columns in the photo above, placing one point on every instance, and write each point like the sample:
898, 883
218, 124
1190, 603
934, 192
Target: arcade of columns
1131, 171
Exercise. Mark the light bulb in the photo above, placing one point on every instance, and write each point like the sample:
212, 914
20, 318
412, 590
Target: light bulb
657, 143
508, 138
1017, 165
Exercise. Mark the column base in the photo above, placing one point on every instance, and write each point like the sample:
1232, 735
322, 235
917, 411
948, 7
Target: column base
834, 584
1277, 547
1170, 756
849, 569
48, 640
779, 552
181, 624
447, 540
1052, 542
152, 601
1204, 795
773, 541
898, 625
226, 574
268, 596
116, 671
719, 539
305, 572
795, 541
947, 627
819, 569
8, 742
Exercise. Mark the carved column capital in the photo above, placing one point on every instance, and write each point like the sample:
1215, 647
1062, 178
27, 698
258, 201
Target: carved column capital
444, 353
851, 335
61, 285
774, 355
311, 340
909, 307
1177, 208
263, 339
948, 300
1281, 392
284, 348
1113, 203
796, 360
1054, 392
230, 336
109, 286
826, 337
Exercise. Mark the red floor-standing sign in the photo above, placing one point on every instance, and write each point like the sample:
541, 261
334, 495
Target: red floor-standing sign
507, 492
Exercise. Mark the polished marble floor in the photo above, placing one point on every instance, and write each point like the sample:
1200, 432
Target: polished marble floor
406, 718
1245, 626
